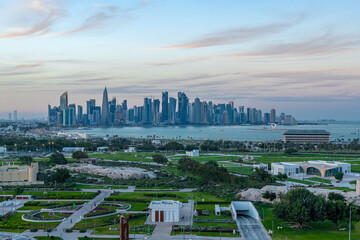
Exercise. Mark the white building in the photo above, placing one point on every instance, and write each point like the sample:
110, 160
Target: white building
315, 167
102, 149
3, 149
73, 149
261, 166
289, 169
165, 211
193, 153
130, 150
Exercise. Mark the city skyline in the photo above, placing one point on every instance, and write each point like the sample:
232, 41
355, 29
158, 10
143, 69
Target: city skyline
300, 57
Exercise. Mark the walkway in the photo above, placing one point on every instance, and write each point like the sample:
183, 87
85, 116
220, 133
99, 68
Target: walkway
87, 207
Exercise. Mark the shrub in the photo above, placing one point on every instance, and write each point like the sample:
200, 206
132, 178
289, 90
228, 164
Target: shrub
82, 230
49, 230
33, 230
68, 230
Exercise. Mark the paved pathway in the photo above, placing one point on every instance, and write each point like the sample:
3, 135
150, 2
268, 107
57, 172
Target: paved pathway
87, 207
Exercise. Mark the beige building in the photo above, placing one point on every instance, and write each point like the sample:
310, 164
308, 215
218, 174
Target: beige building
306, 136
19, 174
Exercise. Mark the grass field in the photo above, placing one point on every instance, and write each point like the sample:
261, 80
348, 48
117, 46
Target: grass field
42, 205
60, 195
317, 230
16, 222
86, 186
320, 180
340, 188
300, 181
140, 157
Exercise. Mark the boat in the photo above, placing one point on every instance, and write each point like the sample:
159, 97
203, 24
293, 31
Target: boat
353, 133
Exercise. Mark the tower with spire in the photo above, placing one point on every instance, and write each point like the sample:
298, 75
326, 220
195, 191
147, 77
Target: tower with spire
105, 111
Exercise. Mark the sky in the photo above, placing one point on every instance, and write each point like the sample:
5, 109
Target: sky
300, 57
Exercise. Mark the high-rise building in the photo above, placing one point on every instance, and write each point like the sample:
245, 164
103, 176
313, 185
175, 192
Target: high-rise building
105, 111
197, 111
15, 115
172, 110
63, 101
164, 107
80, 113
273, 115
9, 116
183, 103
156, 111
147, 111
112, 109
124, 105
73, 114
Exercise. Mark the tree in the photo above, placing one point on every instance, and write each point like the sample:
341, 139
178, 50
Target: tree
58, 158
61, 175
174, 146
290, 151
158, 158
300, 206
339, 176
335, 197
336, 211
79, 154
26, 160
19, 190
281, 176
269, 195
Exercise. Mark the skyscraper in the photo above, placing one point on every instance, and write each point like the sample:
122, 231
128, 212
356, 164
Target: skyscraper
273, 115
183, 103
172, 110
15, 115
147, 111
80, 113
164, 107
63, 101
197, 111
105, 111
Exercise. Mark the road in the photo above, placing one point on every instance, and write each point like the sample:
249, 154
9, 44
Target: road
251, 228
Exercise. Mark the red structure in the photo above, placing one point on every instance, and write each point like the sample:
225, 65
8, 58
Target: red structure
124, 228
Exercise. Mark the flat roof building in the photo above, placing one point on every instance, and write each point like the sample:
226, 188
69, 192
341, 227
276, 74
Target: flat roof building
165, 211
315, 167
306, 136
19, 174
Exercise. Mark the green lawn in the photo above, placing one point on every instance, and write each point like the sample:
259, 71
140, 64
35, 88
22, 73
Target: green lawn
317, 230
340, 188
60, 195
140, 157
15, 221
300, 181
86, 186
321, 180
40, 205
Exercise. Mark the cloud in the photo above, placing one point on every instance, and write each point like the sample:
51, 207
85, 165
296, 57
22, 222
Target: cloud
36, 64
326, 44
237, 35
38, 28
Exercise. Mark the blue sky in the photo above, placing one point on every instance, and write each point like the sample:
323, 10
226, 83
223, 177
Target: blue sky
301, 57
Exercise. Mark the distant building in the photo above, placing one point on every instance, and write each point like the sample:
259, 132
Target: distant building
73, 149
130, 150
19, 174
306, 136
193, 153
102, 149
316, 167
165, 211
3, 149
89, 160
105, 114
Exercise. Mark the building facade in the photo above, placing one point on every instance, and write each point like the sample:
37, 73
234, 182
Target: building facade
165, 211
306, 136
19, 174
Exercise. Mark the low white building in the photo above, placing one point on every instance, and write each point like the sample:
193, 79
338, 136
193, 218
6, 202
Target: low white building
165, 211
102, 149
3, 149
73, 149
290, 169
261, 166
130, 150
315, 167
193, 153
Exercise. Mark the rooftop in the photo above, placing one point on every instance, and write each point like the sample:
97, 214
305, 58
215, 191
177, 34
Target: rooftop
306, 132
